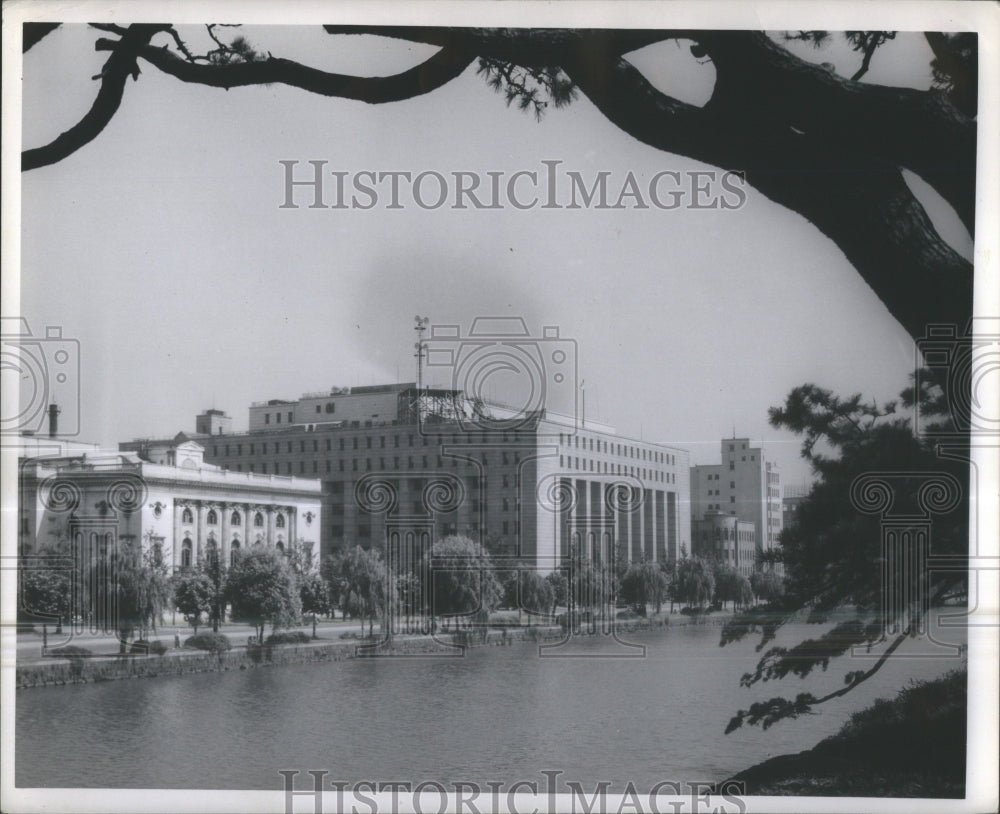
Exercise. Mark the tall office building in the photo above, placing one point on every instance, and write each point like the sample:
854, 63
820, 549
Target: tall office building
398, 460
745, 485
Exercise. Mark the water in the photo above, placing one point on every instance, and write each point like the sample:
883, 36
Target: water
500, 714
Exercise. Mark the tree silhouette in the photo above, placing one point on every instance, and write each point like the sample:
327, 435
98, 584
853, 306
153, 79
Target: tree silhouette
834, 556
830, 148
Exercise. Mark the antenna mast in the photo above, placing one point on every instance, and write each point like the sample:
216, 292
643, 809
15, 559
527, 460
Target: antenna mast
420, 326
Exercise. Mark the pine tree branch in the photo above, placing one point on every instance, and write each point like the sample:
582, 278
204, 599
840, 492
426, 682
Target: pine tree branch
116, 71
429, 75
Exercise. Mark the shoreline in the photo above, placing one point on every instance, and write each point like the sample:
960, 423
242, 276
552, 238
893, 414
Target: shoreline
56, 671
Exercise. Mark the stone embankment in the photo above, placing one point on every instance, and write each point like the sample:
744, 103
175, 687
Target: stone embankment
58, 671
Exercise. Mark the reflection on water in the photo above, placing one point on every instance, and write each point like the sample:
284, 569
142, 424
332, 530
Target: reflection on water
498, 714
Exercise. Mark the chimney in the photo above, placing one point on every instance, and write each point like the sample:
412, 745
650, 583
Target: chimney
53, 420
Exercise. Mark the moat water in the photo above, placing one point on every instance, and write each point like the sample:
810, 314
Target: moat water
496, 714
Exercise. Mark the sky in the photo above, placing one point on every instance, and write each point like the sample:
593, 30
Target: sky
162, 248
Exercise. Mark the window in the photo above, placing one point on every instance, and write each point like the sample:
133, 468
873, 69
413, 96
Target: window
732, 466
267, 418
277, 417
187, 516
289, 446
234, 546
280, 546
258, 520
213, 518
732, 498
289, 416
331, 407
732, 484
186, 553
315, 445
319, 408
235, 520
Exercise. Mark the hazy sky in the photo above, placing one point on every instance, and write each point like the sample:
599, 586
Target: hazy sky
162, 248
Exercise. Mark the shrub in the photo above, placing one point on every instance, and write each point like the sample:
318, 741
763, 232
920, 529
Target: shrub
288, 637
694, 610
214, 642
506, 619
70, 651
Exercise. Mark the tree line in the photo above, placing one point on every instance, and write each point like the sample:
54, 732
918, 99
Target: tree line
130, 588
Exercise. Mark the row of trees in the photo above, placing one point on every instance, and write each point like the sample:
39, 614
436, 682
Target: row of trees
264, 586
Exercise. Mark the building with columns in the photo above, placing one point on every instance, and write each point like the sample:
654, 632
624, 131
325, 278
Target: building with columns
401, 463
171, 498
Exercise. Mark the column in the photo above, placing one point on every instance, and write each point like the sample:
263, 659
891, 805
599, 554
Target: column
635, 525
178, 537
649, 529
224, 530
661, 535
200, 529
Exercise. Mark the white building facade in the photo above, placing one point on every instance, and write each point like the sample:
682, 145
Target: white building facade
99, 499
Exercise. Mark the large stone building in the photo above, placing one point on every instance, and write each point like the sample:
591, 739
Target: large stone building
744, 485
399, 460
164, 493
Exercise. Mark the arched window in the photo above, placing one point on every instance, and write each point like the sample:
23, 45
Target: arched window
213, 518
258, 520
279, 521
187, 516
280, 546
236, 519
186, 553
234, 546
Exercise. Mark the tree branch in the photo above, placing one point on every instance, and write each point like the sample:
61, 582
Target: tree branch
33, 33
914, 129
440, 69
120, 65
859, 201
